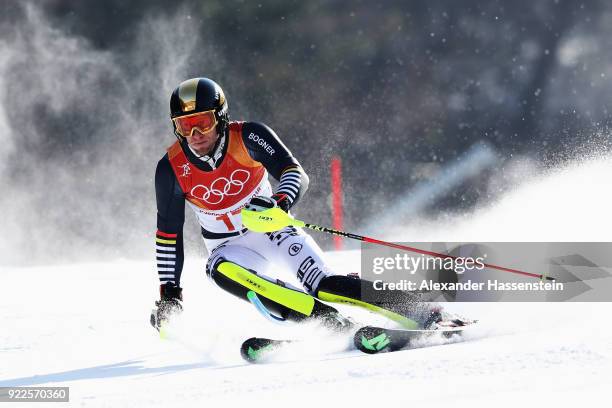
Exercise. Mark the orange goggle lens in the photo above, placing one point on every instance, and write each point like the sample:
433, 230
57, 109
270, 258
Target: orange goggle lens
203, 121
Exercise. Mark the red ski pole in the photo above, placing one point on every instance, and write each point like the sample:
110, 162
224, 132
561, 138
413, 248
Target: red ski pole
274, 219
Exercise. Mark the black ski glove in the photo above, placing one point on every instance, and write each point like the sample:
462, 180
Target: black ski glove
169, 304
282, 200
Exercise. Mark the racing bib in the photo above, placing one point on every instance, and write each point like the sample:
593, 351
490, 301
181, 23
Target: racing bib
218, 196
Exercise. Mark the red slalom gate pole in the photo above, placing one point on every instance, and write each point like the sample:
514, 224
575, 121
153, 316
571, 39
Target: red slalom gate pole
336, 184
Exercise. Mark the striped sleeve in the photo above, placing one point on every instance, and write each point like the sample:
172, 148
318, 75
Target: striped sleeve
169, 254
293, 182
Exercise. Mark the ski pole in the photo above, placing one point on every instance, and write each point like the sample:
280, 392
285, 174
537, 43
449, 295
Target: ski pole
274, 219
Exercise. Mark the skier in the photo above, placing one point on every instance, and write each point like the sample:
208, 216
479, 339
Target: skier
217, 167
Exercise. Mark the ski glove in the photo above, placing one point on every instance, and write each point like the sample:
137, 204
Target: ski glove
168, 305
261, 203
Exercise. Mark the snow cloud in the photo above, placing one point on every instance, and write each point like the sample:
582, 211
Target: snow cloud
82, 130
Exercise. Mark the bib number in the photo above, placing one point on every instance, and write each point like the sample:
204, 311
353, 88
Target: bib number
227, 219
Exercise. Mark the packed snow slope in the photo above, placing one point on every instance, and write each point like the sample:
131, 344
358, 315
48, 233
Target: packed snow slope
86, 326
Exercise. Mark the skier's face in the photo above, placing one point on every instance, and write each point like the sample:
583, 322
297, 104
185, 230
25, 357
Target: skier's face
203, 142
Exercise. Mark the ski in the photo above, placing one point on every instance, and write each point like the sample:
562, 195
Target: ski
368, 339
373, 340
257, 349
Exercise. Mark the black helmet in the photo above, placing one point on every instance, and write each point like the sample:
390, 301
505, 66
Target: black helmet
199, 95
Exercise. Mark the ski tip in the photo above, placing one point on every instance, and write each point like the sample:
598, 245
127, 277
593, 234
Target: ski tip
255, 349
371, 340
247, 351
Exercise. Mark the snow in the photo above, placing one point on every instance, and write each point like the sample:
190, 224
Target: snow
86, 326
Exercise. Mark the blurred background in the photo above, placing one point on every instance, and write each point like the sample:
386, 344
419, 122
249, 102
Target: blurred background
434, 108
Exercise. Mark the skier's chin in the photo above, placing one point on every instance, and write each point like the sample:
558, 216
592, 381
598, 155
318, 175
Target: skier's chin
201, 148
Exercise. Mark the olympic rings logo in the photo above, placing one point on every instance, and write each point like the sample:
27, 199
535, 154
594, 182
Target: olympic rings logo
222, 187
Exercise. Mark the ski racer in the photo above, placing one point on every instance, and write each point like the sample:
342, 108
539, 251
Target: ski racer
217, 167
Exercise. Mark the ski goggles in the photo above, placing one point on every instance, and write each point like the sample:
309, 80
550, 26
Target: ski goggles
203, 121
